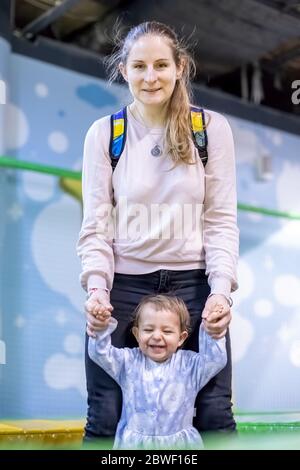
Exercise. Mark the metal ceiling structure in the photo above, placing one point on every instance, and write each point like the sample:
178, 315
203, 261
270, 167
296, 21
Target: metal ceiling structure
249, 48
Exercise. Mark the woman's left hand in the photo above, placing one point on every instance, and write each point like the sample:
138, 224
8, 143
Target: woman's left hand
216, 316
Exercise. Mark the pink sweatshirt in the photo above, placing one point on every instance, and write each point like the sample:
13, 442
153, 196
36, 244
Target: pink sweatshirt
147, 216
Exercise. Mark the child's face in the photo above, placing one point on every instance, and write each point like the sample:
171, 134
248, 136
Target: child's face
158, 333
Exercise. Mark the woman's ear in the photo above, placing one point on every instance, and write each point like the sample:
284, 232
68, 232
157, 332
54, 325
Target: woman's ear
180, 69
122, 70
182, 338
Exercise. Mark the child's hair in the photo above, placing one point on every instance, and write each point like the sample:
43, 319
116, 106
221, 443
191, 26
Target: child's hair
178, 128
165, 302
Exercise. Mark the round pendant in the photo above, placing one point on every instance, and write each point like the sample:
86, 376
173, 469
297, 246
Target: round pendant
156, 151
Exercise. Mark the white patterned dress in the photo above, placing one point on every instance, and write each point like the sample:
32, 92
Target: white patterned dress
158, 397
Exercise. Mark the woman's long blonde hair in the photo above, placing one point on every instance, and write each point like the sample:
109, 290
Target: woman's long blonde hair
178, 136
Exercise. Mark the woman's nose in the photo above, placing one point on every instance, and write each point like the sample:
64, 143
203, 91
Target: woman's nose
151, 75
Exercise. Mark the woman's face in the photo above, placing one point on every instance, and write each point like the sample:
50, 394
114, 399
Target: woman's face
151, 71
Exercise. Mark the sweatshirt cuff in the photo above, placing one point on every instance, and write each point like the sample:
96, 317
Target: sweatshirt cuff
96, 282
220, 285
112, 325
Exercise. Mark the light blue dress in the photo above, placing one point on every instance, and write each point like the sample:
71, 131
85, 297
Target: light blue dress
158, 398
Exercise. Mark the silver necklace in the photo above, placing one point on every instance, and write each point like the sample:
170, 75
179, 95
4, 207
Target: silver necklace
156, 151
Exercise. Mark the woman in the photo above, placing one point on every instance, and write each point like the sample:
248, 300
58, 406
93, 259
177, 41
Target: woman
143, 232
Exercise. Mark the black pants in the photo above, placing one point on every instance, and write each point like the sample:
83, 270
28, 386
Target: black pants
213, 403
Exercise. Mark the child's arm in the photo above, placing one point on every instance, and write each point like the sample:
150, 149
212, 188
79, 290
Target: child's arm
102, 352
212, 358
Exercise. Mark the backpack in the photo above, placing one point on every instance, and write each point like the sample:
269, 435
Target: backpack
118, 131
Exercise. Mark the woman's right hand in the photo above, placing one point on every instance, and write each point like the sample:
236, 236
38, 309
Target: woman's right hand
98, 311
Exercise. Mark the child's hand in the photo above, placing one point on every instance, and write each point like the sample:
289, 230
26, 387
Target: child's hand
216, 316
99, 322
98, 312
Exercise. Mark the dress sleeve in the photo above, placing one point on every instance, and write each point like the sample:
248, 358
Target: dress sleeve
96, 236
220, 231
101, 351
210, 359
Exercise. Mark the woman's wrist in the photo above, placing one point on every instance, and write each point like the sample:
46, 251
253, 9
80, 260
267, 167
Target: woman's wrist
92, 290
227, 297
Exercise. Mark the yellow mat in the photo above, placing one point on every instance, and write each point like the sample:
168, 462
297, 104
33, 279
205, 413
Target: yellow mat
44, 432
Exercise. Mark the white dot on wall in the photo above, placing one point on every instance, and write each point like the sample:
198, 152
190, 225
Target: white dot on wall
41, 90
254, 217
16, 127
285, 333
62, 372
57, 261
295, 353
268, 263
20, 321
58, 142
263, 308
275, 137
77, 165
73, 344
2, 352
287, 290
288, 178
38, 187
290, 232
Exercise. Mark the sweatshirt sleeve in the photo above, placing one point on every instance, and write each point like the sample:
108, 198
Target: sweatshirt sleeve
220, 231
210, 359
105, 355
96, 236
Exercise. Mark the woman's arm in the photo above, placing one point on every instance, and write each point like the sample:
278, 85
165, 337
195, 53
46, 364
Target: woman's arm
220, 231
96, 236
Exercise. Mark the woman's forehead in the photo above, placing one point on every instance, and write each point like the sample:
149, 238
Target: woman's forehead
150, 47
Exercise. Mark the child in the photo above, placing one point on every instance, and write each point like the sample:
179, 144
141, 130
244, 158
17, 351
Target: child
158, 381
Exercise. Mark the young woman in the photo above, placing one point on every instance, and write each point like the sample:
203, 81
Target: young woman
160, 222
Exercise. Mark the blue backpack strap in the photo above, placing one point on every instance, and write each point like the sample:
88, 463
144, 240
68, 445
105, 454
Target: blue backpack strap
199, 132
118, 126
118, 131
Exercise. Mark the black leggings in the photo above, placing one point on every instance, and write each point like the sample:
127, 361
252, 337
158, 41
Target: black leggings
213, 403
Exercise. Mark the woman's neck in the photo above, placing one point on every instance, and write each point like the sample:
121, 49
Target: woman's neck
150, 116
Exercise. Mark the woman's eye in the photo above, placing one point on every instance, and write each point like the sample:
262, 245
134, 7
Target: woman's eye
162, 66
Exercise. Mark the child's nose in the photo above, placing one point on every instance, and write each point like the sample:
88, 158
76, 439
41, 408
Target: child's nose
156, 334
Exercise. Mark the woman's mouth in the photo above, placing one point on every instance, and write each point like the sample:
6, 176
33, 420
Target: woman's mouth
152, 91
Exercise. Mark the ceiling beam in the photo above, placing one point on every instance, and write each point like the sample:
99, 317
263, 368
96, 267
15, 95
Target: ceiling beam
286, 56
47, 18
287, 7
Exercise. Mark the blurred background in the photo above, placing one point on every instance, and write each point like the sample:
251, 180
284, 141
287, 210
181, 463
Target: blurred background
52, 87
